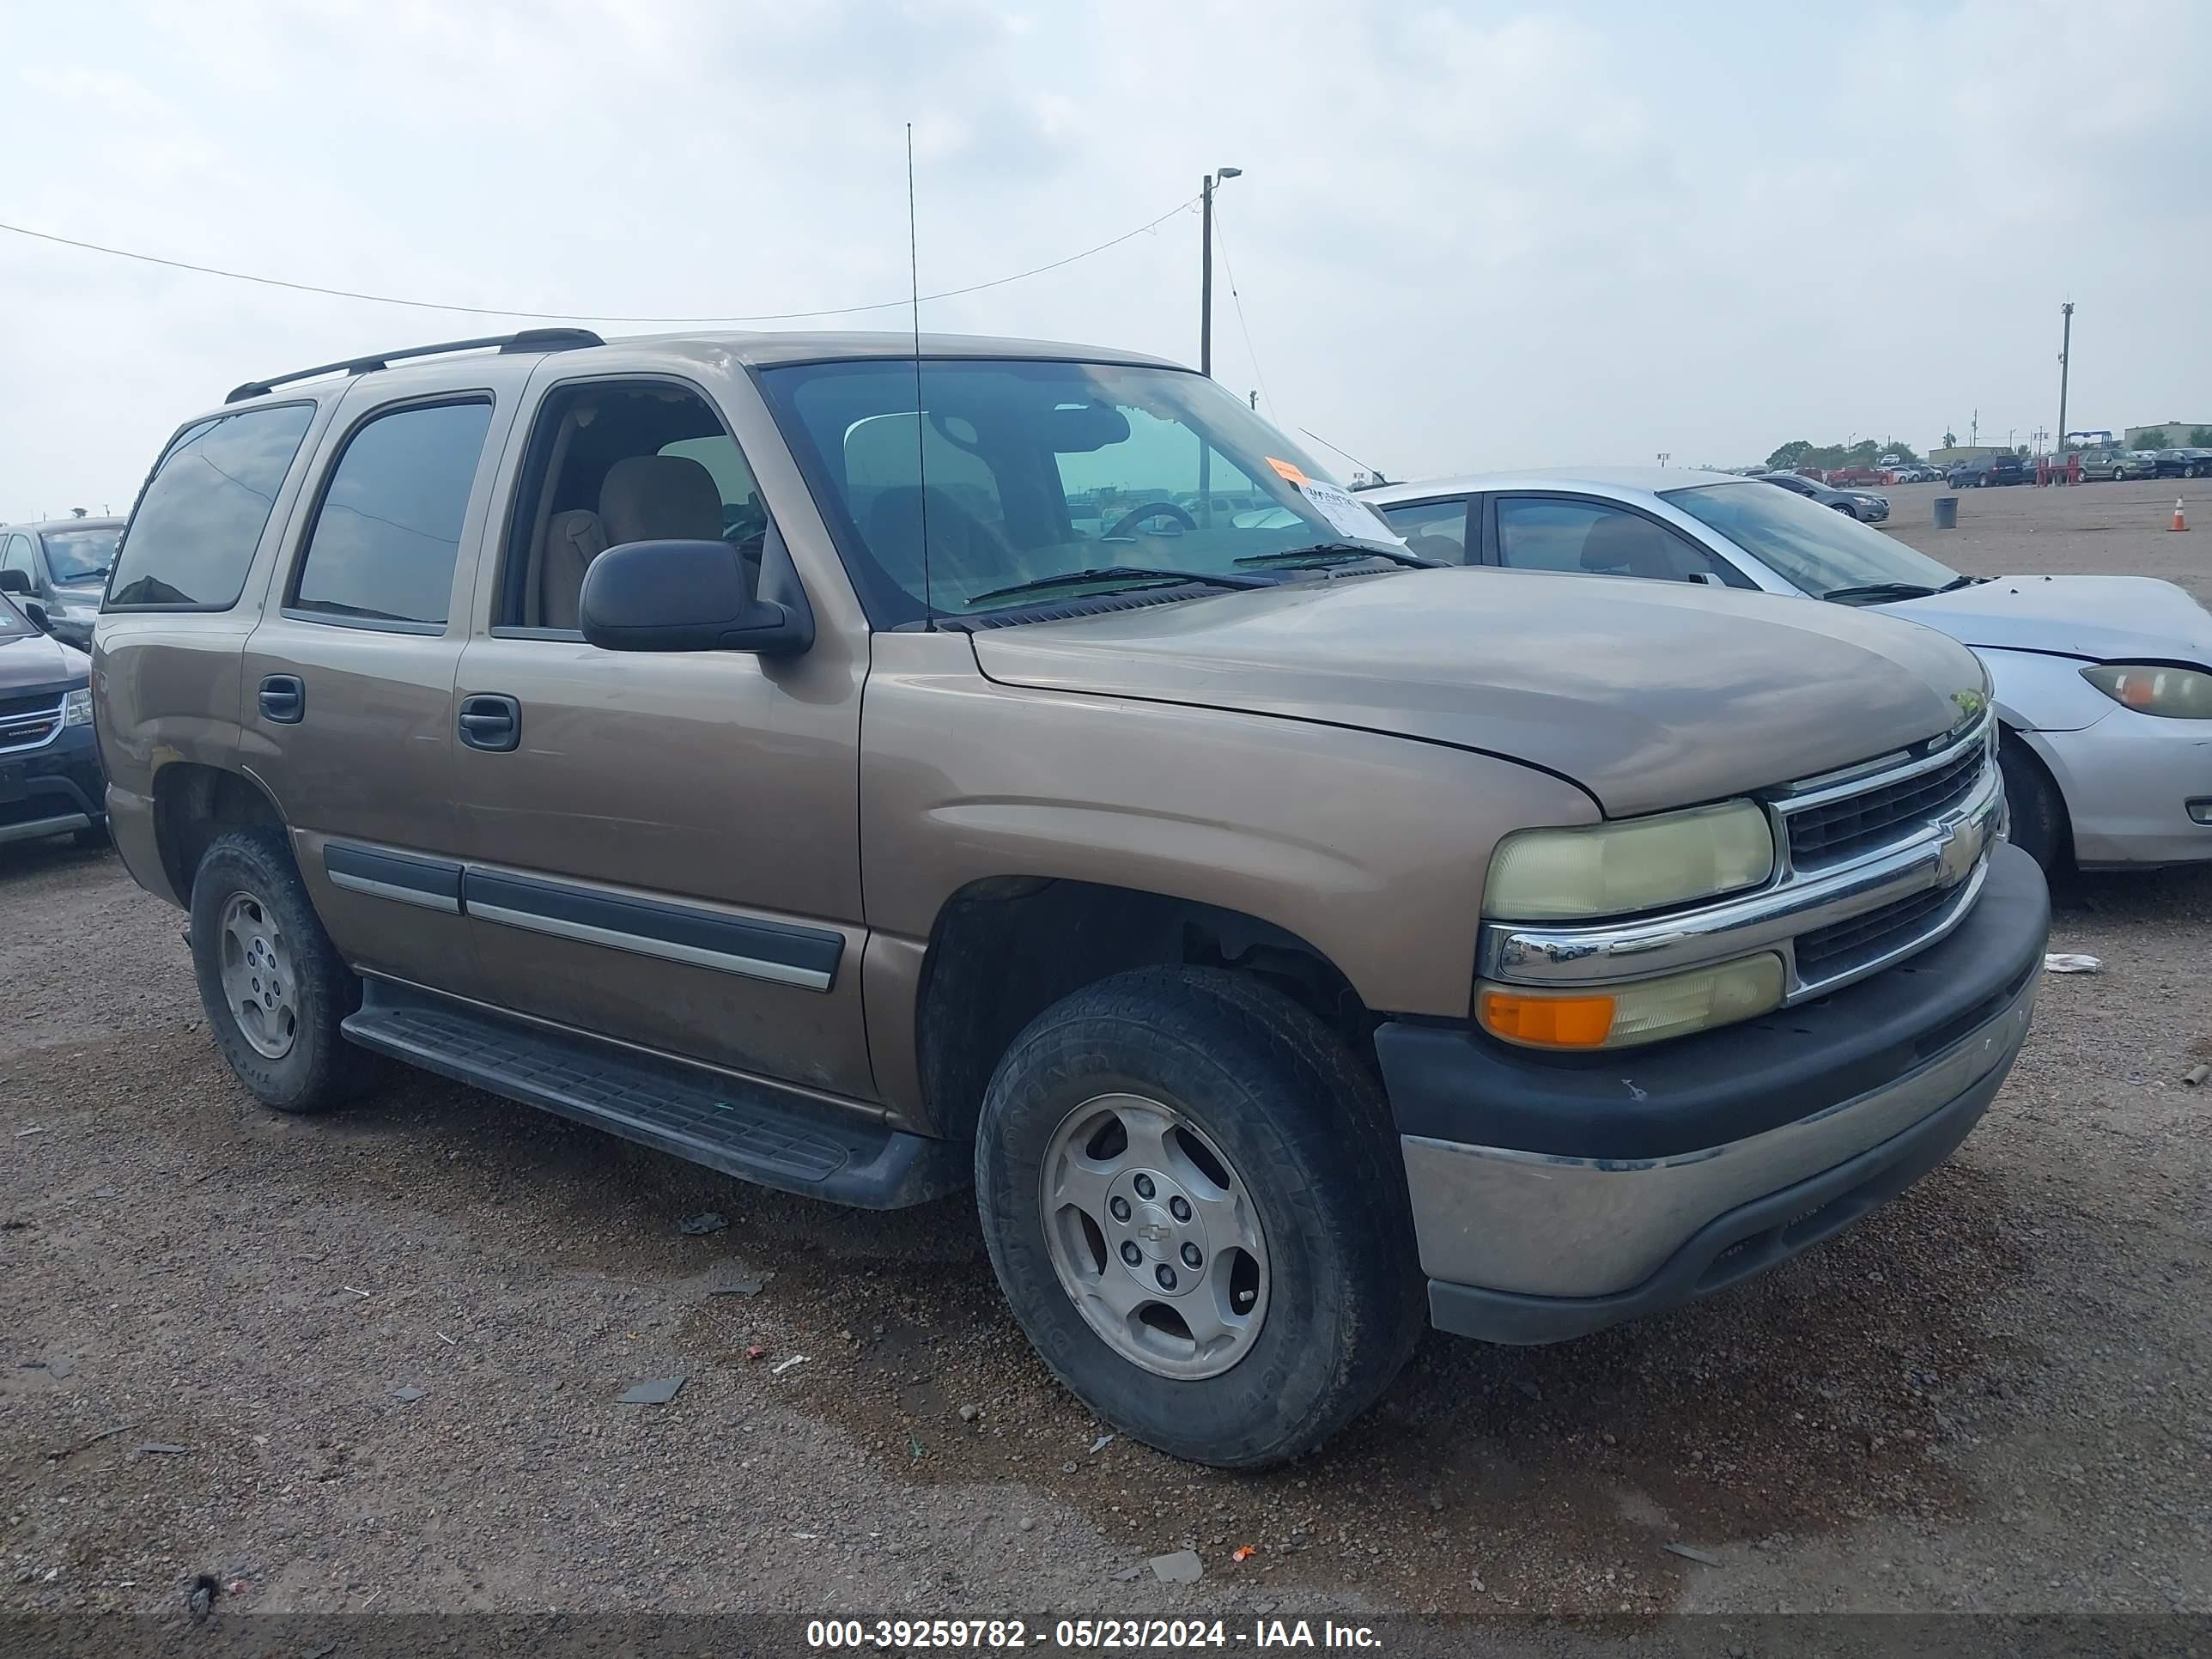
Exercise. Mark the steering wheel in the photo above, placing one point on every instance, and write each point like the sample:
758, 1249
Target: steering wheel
1149, 510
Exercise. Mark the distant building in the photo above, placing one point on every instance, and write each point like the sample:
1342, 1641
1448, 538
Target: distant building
1958, 453
2177, 434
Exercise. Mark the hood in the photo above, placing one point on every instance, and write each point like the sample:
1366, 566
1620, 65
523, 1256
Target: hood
1649, 695
2100, 618
31, 662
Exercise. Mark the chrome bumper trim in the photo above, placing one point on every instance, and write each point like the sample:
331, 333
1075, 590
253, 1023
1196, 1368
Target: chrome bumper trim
1541, 1225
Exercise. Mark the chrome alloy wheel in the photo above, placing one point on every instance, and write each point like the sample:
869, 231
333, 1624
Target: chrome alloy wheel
257, 981
1155, 1237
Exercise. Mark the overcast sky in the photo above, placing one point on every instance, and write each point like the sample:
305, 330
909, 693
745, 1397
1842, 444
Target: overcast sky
1467, 236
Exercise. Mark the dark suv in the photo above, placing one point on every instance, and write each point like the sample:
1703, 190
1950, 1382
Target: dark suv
1988, 469
50, 777
61, 567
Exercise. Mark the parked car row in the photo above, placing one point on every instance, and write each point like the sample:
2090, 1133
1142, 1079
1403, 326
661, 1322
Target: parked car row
1260, 914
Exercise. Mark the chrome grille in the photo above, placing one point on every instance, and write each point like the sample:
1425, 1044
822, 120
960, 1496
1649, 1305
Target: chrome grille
1836, 830
27, 722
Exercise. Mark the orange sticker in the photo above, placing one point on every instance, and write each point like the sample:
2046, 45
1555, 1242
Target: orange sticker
1284, 470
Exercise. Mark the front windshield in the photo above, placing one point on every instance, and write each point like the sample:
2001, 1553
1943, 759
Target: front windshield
1021, 472
79, 555
1814, 547
12, 621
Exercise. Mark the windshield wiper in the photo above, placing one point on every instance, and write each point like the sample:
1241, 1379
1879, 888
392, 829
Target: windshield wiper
1958, 582
1882, 591
1336, 553
1116, 573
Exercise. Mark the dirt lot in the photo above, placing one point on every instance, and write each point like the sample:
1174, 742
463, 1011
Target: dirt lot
371, 1361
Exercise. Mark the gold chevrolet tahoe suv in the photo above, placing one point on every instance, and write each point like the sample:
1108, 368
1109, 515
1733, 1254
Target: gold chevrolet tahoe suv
870, 766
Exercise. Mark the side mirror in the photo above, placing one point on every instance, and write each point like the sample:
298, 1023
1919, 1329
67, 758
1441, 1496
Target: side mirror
15, 582
35, 614
685, 596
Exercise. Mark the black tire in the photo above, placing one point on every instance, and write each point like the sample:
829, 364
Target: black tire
321, 1069
1846, 508
1303, 1126
2041, 827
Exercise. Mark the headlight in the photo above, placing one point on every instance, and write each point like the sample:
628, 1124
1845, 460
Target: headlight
76, 707
2152, 688
1620, 1016
1640, 864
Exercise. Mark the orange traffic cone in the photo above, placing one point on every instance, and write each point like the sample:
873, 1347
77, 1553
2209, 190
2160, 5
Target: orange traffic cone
2180, 523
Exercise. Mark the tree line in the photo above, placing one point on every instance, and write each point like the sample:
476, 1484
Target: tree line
1802, 452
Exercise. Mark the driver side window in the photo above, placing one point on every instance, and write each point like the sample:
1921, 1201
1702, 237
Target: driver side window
609, 464
17, 558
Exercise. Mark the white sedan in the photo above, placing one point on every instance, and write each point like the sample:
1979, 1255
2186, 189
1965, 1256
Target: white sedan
2103, 683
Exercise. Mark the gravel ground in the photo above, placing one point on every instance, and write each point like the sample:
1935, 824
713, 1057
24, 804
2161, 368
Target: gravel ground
371, 1361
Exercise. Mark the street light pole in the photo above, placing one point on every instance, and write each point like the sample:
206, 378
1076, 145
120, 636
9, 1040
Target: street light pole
1206, 187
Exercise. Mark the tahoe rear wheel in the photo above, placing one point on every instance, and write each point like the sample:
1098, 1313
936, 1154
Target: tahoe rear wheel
274, 987
1194, 1201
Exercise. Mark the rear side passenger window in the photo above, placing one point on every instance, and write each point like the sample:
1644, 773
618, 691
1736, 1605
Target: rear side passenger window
202, 514
385, 536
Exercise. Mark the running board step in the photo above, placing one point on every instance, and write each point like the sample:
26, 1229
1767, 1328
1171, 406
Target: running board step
744, 1129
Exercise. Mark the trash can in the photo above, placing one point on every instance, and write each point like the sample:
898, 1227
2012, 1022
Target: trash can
1947, 512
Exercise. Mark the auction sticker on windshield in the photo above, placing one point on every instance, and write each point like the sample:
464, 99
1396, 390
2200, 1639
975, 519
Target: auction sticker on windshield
1346, 515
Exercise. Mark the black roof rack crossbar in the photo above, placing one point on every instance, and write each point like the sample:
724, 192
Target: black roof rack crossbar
530, 339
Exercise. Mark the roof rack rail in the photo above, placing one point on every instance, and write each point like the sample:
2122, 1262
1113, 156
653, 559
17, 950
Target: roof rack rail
530, 339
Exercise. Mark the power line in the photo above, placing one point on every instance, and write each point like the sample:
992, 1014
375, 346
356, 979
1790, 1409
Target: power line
1237, 299
579, 316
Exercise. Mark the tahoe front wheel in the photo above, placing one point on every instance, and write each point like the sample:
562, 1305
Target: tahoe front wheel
1193, 1199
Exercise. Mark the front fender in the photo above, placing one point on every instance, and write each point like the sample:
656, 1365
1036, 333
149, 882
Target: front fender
1371, 848
2039, 691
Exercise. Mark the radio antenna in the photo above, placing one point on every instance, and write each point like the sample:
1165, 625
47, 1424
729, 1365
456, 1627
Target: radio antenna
921, 450
1375, 471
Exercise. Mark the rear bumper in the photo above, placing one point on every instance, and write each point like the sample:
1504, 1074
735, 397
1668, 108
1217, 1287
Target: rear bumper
1575, 1196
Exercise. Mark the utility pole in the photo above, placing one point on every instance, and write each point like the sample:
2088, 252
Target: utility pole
1206, 186
1974, 431
2065, 350
1205, 328
1253, 399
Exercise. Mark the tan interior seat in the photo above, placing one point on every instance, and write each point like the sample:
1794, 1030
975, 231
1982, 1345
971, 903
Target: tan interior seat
573, 540
660, 498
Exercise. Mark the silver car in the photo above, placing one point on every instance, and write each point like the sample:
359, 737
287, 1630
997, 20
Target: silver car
2103, 683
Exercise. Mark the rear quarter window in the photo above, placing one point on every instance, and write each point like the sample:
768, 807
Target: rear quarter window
193, 536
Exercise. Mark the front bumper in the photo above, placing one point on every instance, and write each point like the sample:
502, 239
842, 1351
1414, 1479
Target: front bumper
2131, 782
1554, 1197
52, 789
